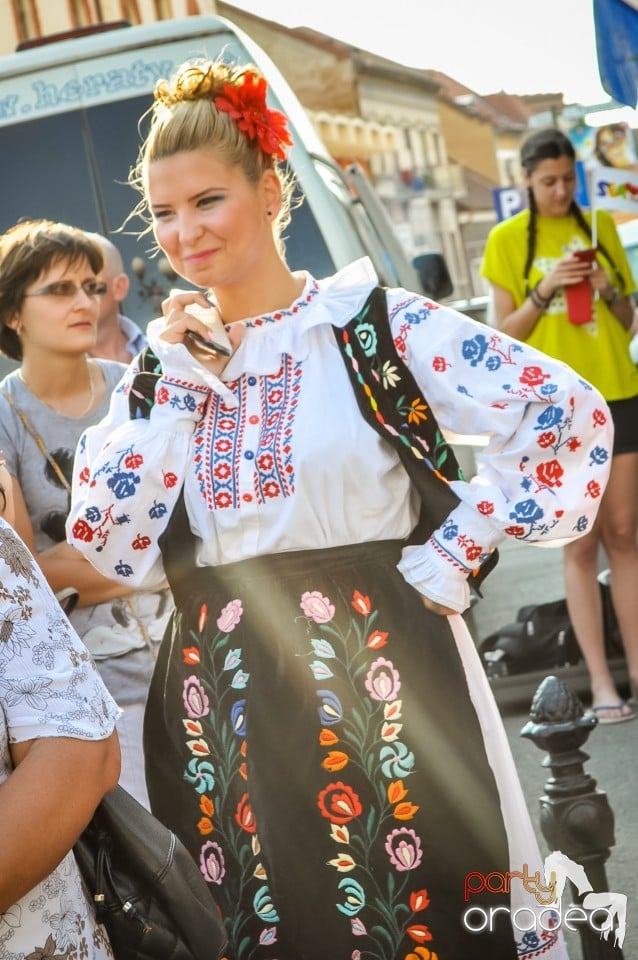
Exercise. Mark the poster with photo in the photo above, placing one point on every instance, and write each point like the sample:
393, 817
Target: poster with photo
610, 145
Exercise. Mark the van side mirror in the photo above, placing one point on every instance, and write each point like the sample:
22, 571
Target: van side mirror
434, 275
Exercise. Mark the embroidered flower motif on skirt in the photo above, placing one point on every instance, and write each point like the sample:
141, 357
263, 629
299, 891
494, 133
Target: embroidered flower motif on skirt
222, 446
361, 728
226, 822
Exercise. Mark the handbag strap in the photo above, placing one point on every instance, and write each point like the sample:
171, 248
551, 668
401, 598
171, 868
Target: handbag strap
55, 466
393, 404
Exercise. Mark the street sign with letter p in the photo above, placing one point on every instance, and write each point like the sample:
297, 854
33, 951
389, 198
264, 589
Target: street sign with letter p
508, 201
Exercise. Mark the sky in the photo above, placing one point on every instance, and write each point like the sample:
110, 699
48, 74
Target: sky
516, 46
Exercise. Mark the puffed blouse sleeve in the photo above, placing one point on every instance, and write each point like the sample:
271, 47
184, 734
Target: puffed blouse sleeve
128, 473
543, 470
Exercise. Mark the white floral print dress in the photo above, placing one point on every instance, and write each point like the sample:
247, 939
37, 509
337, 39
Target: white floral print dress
49, 687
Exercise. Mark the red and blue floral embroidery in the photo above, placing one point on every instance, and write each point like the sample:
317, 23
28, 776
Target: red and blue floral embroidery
554, 425
220, 440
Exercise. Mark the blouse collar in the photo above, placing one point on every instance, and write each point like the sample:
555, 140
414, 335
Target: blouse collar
334, 300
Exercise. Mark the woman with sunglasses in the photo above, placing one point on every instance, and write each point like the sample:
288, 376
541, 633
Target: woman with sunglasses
49, 306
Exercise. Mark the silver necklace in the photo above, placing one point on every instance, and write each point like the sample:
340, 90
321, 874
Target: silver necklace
55, 409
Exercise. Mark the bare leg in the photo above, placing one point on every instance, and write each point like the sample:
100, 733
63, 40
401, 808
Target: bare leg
619, 523
615, 528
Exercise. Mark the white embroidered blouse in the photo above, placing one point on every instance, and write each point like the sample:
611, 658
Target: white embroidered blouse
275, 456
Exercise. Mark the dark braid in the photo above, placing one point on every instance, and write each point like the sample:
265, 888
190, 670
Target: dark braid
551, 144
531, 237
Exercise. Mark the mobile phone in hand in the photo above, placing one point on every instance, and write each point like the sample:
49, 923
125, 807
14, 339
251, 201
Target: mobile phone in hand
210, 346
219, 343
587, 256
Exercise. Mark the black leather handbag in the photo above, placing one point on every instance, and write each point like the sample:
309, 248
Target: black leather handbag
146, 888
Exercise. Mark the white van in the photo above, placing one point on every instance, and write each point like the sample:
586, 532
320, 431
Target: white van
69, 114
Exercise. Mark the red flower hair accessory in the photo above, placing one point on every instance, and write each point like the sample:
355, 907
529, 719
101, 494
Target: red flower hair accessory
245, 102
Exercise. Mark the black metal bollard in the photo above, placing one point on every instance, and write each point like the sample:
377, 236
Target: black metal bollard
576, 818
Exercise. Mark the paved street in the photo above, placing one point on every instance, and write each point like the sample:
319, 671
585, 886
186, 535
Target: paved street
531, 575
526, 575
613, 752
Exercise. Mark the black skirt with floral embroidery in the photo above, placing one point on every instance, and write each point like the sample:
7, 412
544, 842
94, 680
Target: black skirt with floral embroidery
310, 737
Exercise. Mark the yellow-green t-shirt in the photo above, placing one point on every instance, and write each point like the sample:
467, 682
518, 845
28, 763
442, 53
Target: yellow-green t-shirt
599, 350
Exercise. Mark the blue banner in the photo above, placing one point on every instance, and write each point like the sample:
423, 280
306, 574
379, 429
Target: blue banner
616, 24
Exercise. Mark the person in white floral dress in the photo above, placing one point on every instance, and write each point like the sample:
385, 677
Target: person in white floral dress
59, 755
319, 731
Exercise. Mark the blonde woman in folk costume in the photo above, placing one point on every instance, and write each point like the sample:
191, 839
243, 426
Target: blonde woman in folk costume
313, 730
531, 262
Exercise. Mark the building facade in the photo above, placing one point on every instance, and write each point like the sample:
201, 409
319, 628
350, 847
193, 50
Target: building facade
434, 151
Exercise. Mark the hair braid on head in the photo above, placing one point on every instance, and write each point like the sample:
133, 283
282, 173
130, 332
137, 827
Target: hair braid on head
195, 80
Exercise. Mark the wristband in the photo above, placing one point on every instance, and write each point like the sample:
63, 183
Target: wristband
540, 302
614, 298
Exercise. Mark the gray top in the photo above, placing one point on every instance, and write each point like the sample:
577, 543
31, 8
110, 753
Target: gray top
109, 628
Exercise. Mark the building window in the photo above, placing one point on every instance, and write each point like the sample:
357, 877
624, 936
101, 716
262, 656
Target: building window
25, 15
162, 9
130, 11
81, 13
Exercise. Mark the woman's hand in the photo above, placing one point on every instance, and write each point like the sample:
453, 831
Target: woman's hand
600, 281
437, 608
566, 272
180, 321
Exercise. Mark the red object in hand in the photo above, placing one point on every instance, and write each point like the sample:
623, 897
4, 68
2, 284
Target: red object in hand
579, 295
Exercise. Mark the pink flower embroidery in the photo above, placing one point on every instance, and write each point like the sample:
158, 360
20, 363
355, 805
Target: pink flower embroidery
404, 849
382, 680
195, 699
211, 862
317, 607
230, 616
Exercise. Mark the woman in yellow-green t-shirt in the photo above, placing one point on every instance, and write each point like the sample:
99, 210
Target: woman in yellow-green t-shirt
530, 262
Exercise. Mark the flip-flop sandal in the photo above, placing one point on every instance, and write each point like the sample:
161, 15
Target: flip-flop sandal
614, 706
